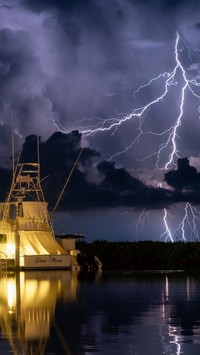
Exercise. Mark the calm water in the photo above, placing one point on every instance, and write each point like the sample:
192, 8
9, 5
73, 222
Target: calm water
109, 313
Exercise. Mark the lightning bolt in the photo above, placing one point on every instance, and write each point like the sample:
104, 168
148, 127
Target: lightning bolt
190, 220
167, 234
178, 77
59, 128
171, 79
187, 226
140, 222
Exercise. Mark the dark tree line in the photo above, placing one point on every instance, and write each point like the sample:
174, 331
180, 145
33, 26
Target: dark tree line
145, 255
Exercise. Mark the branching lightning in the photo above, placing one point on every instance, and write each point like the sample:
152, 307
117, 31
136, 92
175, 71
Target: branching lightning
177, 76
187, 229
140, 222
167, 234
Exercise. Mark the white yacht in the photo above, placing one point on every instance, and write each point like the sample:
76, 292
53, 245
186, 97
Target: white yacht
26, 235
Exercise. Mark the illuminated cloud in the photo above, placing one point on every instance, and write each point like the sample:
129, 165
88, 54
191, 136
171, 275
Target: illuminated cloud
78, 72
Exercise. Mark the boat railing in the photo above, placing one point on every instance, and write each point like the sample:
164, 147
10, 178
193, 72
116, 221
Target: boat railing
30, 224
33, 225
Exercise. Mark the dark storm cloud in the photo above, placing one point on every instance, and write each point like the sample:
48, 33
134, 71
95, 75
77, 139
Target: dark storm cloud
40, 5
163, 3
184, 177
107, 186
44, 4
186, 182
128, 190
103, 184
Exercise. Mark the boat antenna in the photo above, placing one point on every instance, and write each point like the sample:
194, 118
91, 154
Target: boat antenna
13, 148
38, 151
67, 181
14, 174
38, 156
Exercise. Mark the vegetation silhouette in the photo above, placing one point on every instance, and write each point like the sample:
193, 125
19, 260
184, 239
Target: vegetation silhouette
144, 255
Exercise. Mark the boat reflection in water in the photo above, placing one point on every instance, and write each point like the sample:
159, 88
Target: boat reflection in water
27, 305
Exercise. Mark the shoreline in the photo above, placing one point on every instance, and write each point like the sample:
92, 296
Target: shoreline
144, 255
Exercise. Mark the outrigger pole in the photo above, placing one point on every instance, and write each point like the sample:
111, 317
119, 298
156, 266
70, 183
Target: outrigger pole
17, 238
66, 182
17, 241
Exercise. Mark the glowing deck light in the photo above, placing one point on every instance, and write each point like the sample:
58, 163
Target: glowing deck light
10, 250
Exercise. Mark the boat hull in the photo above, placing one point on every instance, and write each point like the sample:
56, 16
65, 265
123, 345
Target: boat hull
45, 261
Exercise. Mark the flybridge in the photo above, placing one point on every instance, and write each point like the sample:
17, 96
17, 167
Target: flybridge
26, 234
26, 183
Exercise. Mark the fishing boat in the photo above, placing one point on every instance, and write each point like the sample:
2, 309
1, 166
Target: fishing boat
27, 239
26, 234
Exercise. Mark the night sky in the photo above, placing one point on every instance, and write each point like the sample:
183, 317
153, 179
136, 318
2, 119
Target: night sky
121, 79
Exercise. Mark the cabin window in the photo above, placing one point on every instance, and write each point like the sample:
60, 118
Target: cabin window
3, 238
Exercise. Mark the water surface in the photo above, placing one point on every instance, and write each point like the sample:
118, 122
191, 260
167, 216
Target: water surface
74, 313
